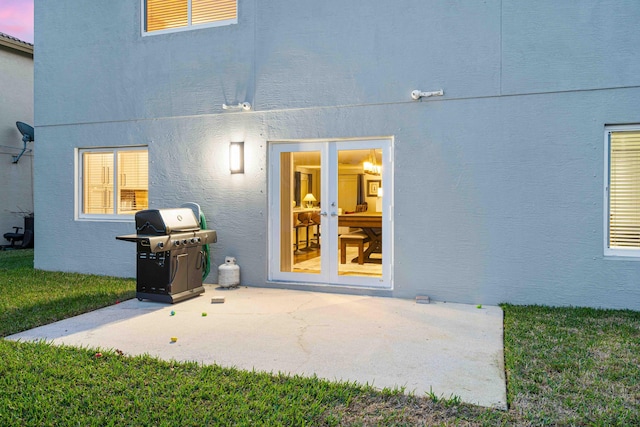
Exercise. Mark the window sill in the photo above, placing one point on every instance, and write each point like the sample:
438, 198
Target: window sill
622, 256
99, 218
215, 24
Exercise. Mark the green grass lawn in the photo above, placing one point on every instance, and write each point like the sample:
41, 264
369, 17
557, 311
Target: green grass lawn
30, 298
565, 366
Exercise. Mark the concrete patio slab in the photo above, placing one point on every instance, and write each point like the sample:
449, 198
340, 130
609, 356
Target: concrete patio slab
449, 349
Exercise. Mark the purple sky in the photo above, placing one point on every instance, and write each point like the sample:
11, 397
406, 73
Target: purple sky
16, 19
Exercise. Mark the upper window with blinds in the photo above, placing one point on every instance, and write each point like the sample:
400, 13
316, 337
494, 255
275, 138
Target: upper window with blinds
162, 16
623, 191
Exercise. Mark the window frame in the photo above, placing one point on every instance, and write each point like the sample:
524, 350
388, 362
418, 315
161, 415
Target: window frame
188, 27
609, 251
80, 183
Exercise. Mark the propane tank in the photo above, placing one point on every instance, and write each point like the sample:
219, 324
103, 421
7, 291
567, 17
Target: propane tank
229, 273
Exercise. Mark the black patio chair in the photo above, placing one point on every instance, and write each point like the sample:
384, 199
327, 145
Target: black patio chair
25, 238
14, 237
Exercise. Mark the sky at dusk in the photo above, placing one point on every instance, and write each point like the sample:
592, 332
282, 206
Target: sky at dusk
16, 19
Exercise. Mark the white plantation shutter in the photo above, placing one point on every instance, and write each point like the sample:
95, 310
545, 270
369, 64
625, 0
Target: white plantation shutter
171, 14
98, 183
113, 181
133, 181
624, 190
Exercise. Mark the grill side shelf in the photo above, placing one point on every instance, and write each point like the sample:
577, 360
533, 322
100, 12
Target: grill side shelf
128, 238
154, 243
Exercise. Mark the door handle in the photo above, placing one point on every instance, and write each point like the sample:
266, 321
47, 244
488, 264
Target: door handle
334, 214
323, 214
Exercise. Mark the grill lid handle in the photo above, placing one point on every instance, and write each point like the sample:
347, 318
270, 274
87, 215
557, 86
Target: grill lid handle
149, 225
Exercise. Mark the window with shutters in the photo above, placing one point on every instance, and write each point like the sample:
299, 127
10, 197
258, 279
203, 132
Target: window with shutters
163, 16
113, 181
622, 191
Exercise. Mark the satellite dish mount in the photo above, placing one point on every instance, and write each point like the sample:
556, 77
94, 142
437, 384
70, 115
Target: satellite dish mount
27, 136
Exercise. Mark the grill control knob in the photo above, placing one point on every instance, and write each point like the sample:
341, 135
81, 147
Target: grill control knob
198, 240
177, 243
184, 242
160, 245
193, 240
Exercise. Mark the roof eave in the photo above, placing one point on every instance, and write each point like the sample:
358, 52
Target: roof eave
23, 47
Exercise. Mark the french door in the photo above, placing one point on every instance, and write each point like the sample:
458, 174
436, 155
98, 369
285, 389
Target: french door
331, 212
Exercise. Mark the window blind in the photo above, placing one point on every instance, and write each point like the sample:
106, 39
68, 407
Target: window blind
203, 11
624, 190
114, 181
133, 181
98, 184
169, 14
165, 14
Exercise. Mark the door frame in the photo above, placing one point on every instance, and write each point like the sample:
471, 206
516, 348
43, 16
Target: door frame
328, 149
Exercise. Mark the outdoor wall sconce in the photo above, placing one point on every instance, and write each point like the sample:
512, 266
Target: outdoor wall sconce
246, 106
236, 157
416, 94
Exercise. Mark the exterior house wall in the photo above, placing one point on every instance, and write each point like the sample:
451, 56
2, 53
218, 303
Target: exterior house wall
498, 185
16, 93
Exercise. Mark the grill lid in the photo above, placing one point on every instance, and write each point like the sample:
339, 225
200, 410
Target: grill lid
156, 222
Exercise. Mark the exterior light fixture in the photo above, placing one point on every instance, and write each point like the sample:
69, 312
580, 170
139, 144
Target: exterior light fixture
417, 94
236, 157
245, 106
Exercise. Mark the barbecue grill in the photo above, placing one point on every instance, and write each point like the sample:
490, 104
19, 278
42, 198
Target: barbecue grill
169, 255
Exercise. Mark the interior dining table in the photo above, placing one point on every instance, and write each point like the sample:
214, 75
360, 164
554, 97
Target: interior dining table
371, 225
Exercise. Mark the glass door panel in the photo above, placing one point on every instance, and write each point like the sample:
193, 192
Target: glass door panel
300, 189
359, 213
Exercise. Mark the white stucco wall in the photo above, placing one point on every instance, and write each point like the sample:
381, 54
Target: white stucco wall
16, 95
509, 162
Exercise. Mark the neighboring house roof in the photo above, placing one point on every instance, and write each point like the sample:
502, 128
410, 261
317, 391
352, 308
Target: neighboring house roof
15, 43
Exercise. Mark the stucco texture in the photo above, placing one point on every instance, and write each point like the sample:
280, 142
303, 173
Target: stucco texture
498, 185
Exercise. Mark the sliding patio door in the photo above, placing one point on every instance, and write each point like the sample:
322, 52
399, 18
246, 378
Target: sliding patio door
330, 213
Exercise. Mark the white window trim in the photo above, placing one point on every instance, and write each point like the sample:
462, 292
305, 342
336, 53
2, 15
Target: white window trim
79, 184
188, 27
617, 252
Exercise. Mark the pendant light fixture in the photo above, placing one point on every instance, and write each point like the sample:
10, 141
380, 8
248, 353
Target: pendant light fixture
370, 166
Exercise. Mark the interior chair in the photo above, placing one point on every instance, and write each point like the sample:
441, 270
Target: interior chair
356, 237
315, 239
362, 207
304, 220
